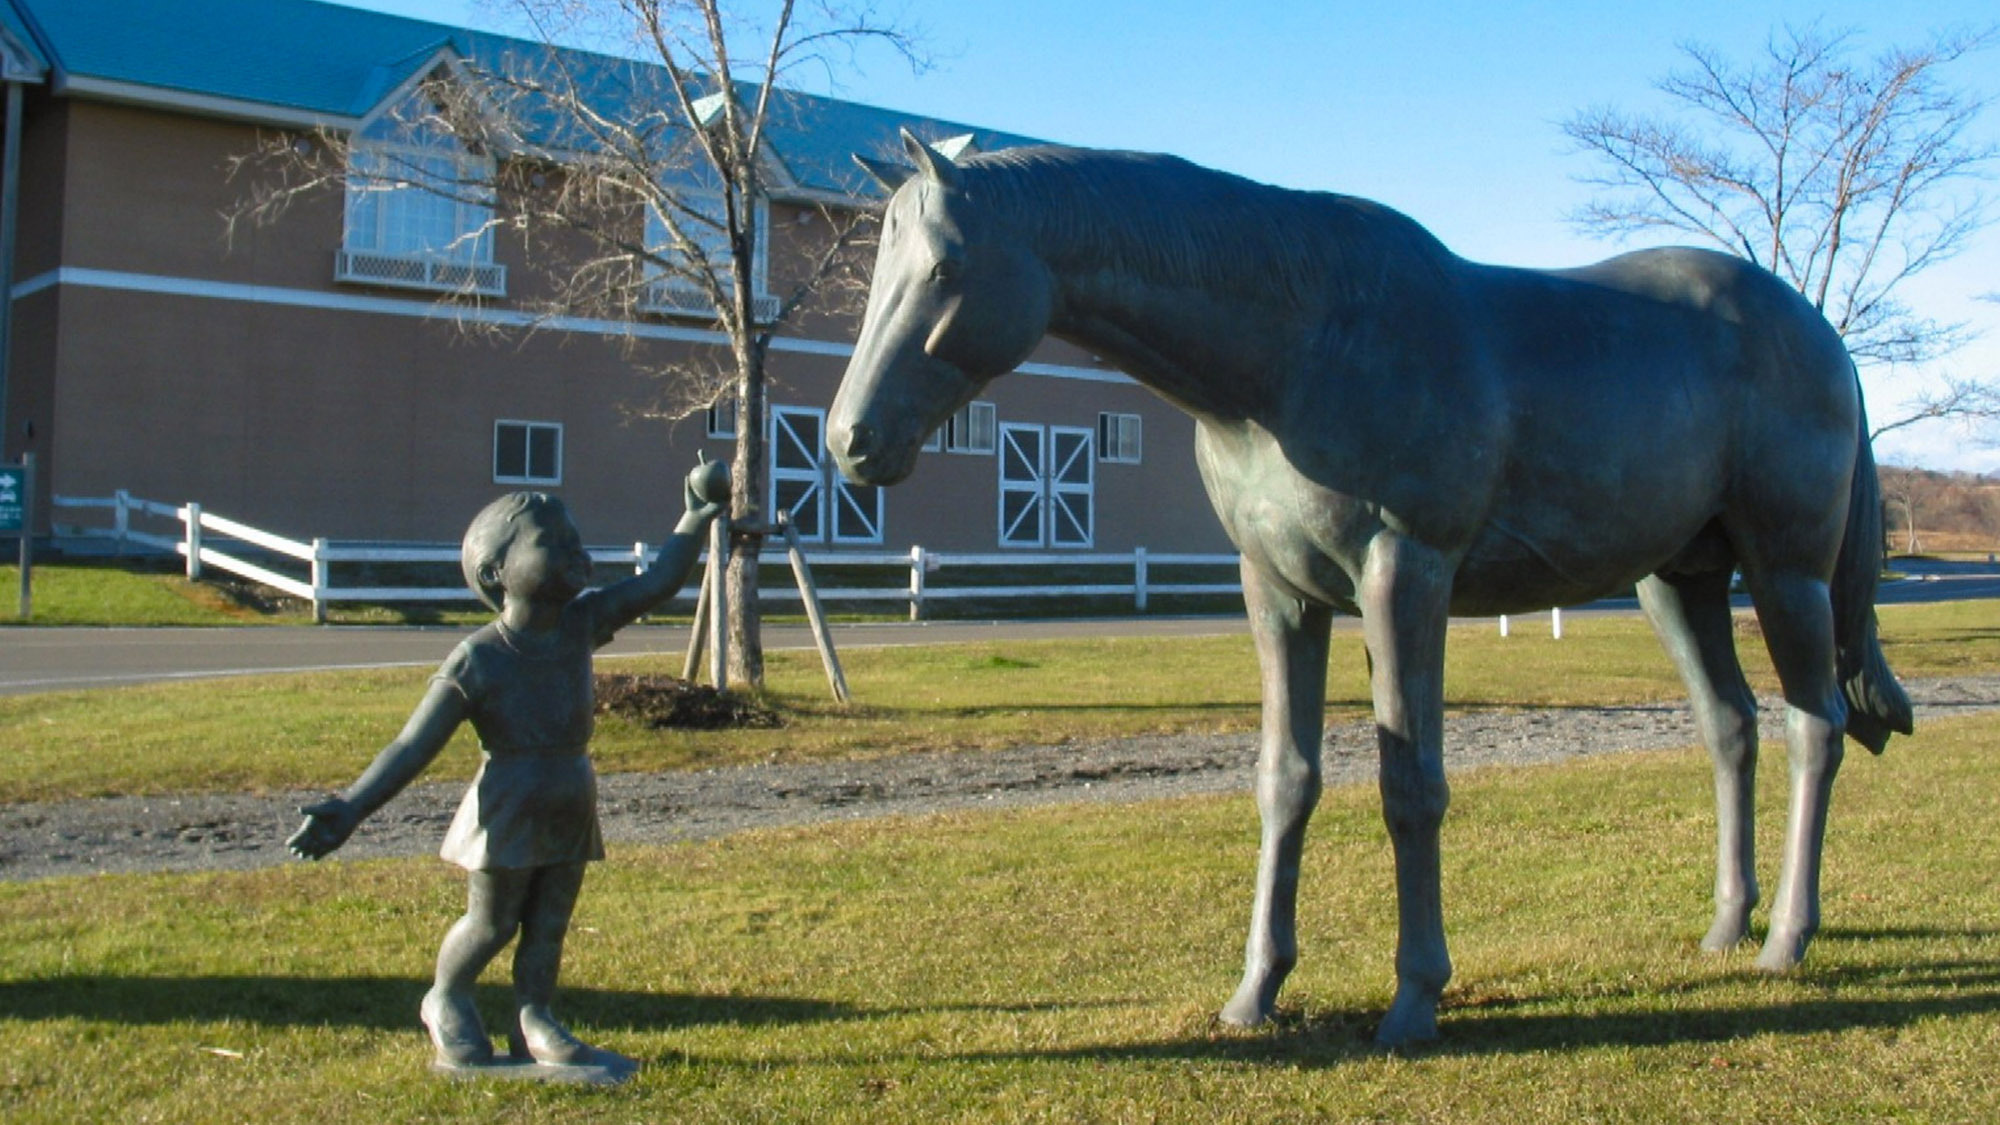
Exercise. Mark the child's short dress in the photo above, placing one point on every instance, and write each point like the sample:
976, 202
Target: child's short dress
534, 801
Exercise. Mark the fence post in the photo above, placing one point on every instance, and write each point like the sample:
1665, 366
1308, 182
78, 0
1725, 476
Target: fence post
121, 518
1139, 579
1556, 623
1503, 624
191, 516
916, 583
639, 557
319, 581
27, 541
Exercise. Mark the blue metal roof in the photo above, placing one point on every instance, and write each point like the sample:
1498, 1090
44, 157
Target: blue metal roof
307, 59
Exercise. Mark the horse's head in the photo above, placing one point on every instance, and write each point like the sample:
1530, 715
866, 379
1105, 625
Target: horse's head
957, 298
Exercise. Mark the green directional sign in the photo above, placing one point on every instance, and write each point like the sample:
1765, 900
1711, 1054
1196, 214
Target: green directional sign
13, 498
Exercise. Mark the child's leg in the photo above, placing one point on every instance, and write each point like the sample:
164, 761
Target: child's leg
493, 903
544, 923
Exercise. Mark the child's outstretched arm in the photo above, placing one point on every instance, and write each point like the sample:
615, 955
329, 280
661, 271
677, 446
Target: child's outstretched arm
622, 603
330, 822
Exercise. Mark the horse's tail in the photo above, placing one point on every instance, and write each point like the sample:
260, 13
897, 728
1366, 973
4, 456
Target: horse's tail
1876, 703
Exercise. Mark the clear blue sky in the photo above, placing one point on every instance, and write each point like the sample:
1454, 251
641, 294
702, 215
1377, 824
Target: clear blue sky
1448, 111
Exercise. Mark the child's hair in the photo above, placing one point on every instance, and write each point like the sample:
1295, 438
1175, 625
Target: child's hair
492, 532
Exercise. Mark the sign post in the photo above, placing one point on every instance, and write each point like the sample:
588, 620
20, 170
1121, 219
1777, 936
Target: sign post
17, 516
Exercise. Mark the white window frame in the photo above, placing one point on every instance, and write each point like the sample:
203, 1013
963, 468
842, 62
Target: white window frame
973, 430
722, 418
673, 295
1119, 438
397, 232
527, 430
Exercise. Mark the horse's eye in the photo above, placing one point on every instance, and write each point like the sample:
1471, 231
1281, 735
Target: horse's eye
946, 270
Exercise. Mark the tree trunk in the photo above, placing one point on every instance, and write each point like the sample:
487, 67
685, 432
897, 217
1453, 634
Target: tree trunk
746, 640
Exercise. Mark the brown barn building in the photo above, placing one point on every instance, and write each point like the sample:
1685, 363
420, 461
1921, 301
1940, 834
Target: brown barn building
304, 376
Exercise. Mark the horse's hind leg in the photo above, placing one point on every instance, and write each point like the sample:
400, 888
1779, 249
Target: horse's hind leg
1691, 615
1797, 618
1291, 639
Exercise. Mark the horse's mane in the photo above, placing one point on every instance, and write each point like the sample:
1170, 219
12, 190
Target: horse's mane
1166, 220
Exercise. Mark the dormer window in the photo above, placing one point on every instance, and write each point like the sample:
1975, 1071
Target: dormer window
419, 210
703, 221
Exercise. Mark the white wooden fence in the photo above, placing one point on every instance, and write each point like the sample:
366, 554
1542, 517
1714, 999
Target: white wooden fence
199, 532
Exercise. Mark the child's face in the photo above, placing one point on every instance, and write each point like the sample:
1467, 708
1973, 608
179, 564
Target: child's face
546, 561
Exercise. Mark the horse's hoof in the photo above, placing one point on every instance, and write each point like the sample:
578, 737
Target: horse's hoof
1412, 1019
1244, 1011
1243, 1015
1782, 951
1727, 933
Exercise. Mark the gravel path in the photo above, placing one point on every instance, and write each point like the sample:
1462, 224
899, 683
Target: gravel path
234, 831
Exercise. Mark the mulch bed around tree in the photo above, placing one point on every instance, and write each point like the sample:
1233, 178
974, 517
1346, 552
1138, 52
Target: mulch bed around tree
658, 702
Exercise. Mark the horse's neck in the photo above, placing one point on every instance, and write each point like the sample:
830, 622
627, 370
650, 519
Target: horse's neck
1182, 367
1189, 280
1206, 349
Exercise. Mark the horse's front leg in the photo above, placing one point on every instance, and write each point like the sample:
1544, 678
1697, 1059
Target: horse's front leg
1405, 596
1291, 638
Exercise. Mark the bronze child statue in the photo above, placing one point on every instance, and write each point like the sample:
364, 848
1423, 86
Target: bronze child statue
528, 824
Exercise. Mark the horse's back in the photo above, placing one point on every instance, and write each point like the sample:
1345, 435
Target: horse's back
1655, 398
1760, 350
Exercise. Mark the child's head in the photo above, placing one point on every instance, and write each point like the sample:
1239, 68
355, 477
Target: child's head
492, 534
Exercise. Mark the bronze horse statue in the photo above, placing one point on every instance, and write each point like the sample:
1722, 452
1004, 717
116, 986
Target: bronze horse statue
1386, 429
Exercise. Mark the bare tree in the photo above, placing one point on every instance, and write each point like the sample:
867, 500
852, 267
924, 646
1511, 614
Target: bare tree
637, 178
1844, 176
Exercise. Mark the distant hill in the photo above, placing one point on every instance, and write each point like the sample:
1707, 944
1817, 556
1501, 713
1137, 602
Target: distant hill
1926, 512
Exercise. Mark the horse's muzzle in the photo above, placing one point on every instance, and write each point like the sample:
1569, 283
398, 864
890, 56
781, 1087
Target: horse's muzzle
858, 451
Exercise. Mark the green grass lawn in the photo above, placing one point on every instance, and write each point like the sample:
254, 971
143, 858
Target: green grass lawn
1064, 964
264, 733
1058, 964
127, 592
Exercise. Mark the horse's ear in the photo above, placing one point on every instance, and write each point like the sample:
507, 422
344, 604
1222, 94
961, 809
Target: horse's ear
936, 166
890, 176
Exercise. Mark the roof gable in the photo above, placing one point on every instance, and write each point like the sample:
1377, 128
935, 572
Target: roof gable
303, 63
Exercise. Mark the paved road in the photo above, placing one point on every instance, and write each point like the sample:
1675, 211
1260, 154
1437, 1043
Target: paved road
39, 660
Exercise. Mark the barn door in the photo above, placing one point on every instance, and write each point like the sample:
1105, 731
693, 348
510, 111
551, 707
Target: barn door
1072, 486
820, 505
1023, 502
1047, 486
798, 433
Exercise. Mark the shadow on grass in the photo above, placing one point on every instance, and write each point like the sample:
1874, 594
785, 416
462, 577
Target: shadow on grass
1837, 999
380, 1003
390, 1003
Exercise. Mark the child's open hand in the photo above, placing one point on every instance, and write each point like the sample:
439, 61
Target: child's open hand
328, 825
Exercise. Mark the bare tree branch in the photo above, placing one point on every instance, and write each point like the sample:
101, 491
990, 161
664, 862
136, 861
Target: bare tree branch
1845, 176
626, 177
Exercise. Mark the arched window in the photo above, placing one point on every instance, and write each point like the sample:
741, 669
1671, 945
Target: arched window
704, 221
419, 207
